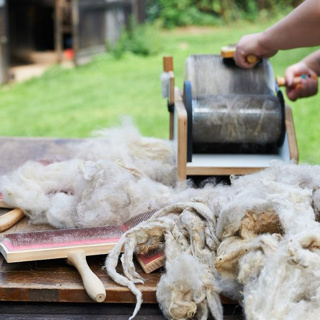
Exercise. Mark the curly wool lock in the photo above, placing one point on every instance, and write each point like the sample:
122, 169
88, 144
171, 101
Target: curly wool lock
187, 229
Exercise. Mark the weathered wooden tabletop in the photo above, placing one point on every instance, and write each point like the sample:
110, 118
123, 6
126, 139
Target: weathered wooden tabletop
53, 289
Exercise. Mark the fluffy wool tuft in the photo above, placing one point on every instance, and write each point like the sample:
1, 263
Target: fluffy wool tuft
109, 181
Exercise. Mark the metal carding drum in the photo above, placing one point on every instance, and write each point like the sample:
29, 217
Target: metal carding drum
232, 110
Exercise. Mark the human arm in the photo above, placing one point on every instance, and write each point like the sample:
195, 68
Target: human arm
309, 71
300, 28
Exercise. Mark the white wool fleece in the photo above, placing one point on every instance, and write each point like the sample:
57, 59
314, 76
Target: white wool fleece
113, 177
288, 286
256, 240
151, 157
79, 193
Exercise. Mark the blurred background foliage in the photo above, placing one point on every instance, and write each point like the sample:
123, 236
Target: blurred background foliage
213, 12
167, 14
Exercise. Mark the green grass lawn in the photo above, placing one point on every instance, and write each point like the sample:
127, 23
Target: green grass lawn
74, 102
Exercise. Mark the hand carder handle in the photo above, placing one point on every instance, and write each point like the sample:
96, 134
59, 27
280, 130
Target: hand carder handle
10, 218
91, 282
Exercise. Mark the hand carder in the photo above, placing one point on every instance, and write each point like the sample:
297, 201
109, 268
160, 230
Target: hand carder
227, 53
73, 244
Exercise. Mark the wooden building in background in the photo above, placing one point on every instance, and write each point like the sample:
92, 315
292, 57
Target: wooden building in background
33, 31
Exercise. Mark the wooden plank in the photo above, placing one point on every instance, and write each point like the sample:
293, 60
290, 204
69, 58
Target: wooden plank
14, 310
56, 281
77, 311
181, 137
292, 140
220, 171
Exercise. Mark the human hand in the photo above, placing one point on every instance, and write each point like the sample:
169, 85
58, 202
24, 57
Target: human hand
308, 85
250, 45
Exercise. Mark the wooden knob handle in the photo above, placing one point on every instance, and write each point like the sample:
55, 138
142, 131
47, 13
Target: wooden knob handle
91, 282
10, 218
252, 59
282, 81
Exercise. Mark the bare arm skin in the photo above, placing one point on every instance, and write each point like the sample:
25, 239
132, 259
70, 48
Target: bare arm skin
300, 28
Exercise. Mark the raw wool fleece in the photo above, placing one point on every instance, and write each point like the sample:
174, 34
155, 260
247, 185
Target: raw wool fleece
263, 235
279, 270
256, 240
151, 157
111, 178
187, 230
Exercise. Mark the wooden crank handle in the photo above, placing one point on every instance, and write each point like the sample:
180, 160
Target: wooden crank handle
91, 282
252, 59
282, 81
10, 218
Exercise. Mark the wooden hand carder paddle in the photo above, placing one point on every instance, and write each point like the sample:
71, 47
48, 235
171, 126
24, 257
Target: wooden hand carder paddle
73, 244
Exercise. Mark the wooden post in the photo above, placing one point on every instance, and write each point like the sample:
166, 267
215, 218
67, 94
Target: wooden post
292, 140
181, 139
167, 63
168, 67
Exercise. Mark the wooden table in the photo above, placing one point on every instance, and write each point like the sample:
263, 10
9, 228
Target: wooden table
53, 289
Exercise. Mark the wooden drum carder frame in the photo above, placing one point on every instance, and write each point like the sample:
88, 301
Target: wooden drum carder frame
227, 120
